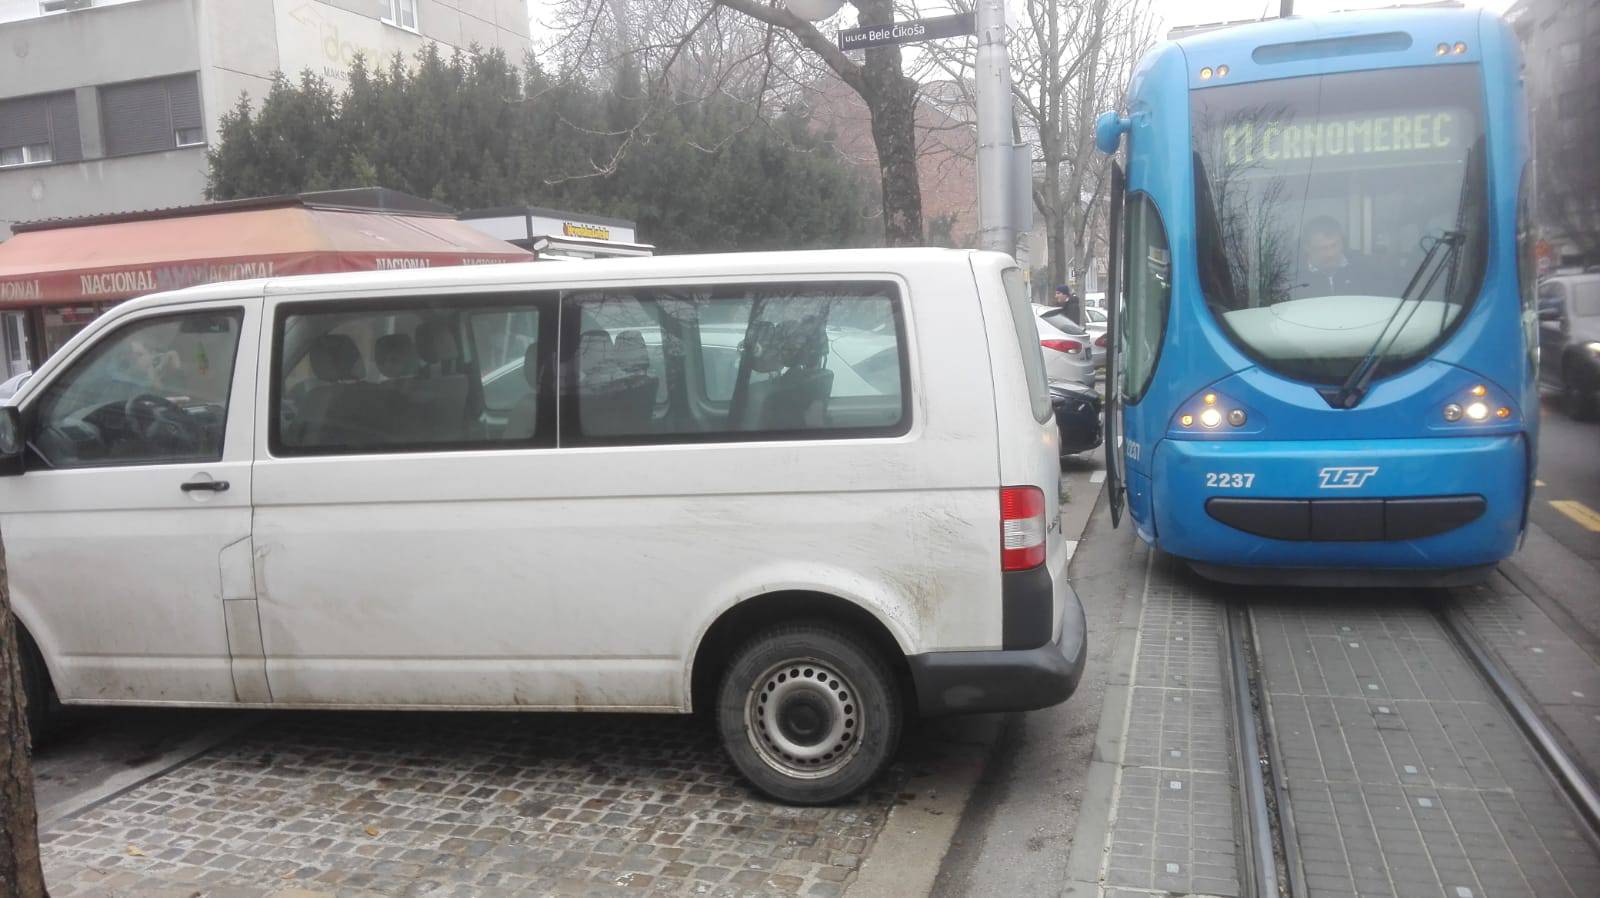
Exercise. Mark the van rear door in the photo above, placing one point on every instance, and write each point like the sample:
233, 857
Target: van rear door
1028, 442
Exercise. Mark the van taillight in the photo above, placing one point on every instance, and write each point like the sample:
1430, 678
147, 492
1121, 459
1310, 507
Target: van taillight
1022, 528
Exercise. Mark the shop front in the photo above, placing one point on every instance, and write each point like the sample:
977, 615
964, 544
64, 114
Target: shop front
57, 276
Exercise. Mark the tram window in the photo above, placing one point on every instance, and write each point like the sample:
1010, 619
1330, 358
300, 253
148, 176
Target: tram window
1527, 266
1148, 296
1319, 197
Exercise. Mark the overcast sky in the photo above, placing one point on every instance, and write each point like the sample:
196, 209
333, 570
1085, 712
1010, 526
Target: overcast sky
1188, 12
1172, 12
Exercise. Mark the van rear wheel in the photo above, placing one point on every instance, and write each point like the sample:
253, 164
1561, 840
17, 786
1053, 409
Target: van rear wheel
809, 713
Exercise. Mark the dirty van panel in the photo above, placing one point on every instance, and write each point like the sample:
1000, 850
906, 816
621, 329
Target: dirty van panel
718, 442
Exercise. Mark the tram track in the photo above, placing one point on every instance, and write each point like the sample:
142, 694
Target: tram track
1558, 760
1269, 858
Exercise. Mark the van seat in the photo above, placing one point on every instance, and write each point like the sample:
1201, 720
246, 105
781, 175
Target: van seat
343, 408
797, 399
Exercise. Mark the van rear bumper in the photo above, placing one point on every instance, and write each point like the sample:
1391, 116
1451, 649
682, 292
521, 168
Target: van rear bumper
1015, 680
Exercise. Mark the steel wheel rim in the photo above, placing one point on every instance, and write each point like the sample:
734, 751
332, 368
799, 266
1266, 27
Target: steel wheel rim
804, 718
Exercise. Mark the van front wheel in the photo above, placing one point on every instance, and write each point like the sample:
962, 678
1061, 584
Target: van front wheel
809, 713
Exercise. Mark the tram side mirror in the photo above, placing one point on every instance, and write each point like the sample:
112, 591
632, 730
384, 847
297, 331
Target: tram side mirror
11, 440
1108, 131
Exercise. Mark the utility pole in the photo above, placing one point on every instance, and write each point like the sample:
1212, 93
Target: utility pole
996, 166
1285, 8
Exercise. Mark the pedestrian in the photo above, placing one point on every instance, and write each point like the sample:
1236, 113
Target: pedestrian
1063, 295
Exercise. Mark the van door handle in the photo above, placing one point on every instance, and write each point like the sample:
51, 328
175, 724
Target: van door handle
215, 486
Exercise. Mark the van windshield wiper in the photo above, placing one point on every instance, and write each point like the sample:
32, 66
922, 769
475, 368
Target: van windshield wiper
1354, 388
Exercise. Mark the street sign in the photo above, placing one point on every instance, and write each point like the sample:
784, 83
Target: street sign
907, 32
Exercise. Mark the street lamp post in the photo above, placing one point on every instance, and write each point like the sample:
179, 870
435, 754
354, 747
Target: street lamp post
996, 157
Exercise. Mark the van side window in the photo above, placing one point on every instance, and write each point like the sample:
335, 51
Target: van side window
409, 374
153, 392
763, 361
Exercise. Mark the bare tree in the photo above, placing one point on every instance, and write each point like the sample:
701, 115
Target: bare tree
760, 52
20, 873
1070, 60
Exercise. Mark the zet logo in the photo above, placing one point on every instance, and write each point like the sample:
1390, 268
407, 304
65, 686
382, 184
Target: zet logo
1345, 478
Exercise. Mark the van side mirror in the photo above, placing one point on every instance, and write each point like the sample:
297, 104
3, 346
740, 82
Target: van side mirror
12, 440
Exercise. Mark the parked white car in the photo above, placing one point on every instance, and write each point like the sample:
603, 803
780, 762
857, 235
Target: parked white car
806, 491
1068, 353
12, 384
1092, 330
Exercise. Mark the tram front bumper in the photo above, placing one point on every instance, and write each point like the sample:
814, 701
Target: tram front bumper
1415, 504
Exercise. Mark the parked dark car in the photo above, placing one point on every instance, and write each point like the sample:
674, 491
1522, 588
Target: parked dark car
1569, 341
1077, 416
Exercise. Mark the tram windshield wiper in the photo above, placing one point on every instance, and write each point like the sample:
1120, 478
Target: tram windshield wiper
1439, 258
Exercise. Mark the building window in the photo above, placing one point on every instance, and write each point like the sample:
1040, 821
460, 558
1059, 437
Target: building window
36, 130
400, 12
148, 116
49, 6
26, 155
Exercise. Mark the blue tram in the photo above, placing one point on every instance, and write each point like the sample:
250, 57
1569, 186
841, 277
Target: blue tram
1324, 366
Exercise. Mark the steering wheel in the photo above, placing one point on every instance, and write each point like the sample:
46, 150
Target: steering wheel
161, 422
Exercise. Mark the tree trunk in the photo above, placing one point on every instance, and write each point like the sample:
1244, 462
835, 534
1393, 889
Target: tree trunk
1055, 226
20, 874
1082, 146
891, 99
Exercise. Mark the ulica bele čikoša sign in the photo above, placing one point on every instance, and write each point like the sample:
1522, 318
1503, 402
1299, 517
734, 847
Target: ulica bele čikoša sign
907, 32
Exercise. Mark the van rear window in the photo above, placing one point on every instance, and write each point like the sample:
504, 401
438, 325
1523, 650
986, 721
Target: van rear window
1028, 342
735, 362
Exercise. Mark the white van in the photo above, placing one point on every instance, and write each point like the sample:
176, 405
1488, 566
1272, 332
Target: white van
807, 491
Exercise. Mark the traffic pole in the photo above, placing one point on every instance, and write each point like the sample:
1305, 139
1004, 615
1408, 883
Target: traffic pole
996, 224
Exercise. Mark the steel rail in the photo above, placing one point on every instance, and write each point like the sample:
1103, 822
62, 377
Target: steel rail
1567, 772
1259, 846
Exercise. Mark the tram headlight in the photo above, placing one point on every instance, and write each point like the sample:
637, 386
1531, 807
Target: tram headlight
1211, 417
1236, 417
1477, 411
1592, 347
1452, 412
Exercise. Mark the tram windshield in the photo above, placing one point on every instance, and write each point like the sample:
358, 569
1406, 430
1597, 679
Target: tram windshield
1318, 200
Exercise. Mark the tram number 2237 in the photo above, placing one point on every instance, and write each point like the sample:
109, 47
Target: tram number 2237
1226, 481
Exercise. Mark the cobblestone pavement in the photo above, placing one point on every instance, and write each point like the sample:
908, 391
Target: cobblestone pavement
461, 805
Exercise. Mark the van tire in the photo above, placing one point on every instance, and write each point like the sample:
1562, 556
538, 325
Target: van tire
37, 691
841, 713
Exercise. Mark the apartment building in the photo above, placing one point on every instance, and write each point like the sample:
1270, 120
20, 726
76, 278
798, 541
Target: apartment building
108, 105
1561, 53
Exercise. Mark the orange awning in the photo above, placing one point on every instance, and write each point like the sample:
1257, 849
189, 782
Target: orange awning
119, 260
